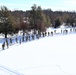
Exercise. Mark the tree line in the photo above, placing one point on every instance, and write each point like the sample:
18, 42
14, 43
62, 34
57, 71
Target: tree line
36, 19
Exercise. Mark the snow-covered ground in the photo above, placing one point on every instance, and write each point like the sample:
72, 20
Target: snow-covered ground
53, 55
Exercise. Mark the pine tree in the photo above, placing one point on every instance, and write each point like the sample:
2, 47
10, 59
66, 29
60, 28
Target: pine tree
38, 19
7, 22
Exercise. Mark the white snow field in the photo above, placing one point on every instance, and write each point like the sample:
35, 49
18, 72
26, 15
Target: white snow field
53, 55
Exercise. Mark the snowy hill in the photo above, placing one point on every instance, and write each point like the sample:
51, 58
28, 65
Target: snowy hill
49, 55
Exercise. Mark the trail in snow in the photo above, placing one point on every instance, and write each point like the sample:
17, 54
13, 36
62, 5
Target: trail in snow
8, 71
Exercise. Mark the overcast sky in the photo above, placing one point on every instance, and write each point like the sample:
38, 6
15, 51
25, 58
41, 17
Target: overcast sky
67, 5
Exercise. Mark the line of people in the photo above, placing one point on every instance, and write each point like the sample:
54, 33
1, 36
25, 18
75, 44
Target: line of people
32, 37
8, 42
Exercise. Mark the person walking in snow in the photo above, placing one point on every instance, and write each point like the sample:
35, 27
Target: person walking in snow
29, 37
52, 33
10, 41
16, 40
3, 46
26, 38
33, 37
7, 43
48, 33
20, 41
22, 38
43, 34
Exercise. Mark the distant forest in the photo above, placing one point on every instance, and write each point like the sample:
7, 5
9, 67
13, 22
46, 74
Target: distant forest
36, 19
64, 16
